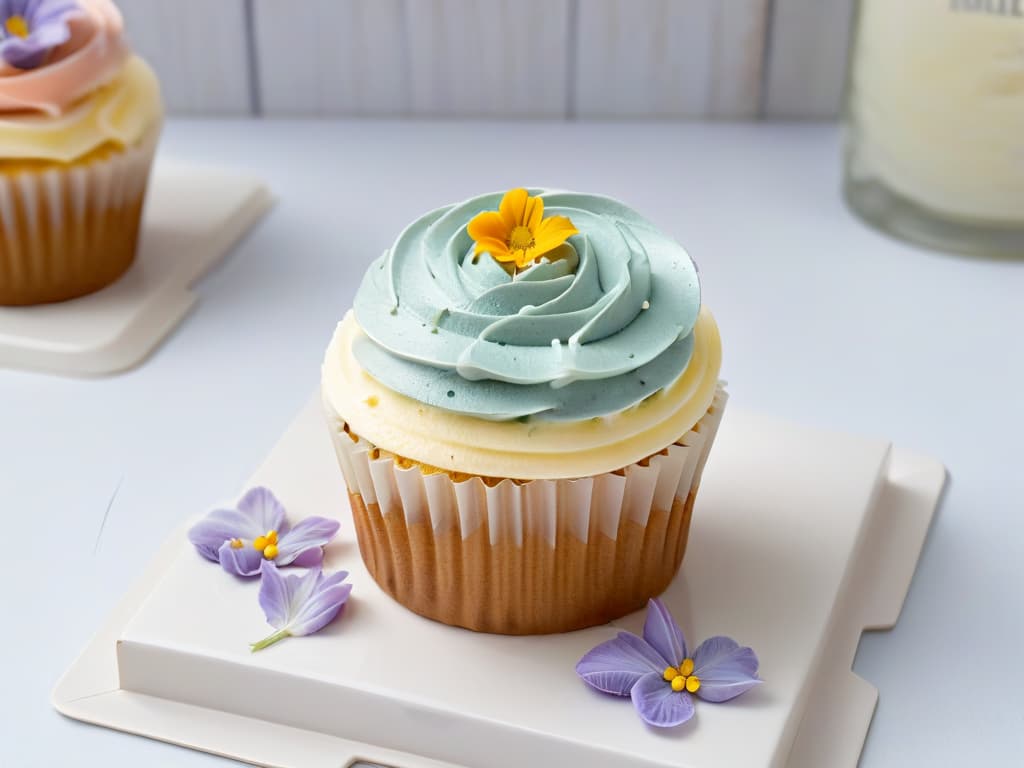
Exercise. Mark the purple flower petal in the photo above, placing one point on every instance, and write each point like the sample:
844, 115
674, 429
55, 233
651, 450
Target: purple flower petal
266, 512
301, 605
240, 561
50, 35
658, 705
275, 596
664, 635
281, 596
47, 23
724, 668
311, 533
310, 558
21, 53
258, 512
13, 8
615, 665
43, 11
37, 44
323, 605
222, 525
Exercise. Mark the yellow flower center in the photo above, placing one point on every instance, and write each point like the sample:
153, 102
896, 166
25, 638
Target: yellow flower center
521, 239
681, 678
17, 26
237, 544
266, 544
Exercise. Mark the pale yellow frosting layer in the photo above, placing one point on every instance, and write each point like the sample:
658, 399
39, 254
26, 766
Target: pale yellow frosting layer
121, 112
530, 450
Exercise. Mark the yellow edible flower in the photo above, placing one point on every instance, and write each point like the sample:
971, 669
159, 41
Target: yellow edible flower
518, 232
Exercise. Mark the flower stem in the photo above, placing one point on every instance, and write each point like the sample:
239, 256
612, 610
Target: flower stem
268, 641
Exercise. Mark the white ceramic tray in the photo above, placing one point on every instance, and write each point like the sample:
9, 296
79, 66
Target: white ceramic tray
801, 539
193, 217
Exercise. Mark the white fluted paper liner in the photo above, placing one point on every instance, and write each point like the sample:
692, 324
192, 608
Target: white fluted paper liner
68, 230
512, 508
524, 556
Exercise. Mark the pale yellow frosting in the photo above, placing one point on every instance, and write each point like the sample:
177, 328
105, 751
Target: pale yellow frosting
522, 450
122, 111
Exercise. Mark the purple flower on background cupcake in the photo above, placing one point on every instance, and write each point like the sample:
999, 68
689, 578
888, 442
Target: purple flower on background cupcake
30, 29
256, 531
661, 677
299, 605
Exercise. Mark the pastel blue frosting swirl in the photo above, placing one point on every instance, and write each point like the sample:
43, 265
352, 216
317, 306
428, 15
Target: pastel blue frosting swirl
593, 332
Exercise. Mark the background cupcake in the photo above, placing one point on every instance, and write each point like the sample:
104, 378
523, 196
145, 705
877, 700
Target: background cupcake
522, 403
79, 122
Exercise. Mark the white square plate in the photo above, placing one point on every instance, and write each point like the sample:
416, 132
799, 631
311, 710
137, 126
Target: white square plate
801, 539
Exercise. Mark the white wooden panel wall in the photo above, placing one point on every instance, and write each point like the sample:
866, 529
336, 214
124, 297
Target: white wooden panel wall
732, 59
807, 66
665, 58
199, 49
741, 33
325, 57
495, 58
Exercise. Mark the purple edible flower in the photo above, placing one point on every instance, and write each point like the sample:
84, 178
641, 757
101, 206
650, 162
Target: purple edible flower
241, 539
658, 674
30, 29
299, 605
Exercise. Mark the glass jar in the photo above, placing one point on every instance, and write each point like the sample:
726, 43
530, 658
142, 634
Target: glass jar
935, 122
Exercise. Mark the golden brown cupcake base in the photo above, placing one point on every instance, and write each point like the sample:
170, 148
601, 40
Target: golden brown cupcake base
527, 556
529, 589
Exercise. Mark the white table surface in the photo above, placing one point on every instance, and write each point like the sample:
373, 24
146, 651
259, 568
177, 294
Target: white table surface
824, 321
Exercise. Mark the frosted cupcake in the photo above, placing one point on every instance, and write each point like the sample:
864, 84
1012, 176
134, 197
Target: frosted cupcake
522, 402
79, 122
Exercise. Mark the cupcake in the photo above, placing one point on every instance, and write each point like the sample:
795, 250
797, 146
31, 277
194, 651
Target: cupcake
79, 122
522, 401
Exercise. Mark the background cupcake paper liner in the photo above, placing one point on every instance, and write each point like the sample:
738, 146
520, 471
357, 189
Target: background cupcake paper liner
66, 231
524, 557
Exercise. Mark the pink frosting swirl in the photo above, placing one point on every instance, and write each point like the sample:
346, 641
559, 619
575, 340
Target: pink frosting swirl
90, 58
